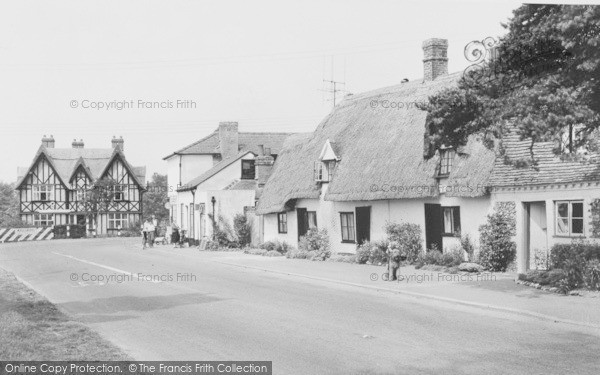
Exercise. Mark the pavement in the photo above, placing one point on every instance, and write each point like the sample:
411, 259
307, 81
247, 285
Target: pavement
306, 317
497, 291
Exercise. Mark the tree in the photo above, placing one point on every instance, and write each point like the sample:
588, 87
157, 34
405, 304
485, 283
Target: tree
98, 198
540, 80
156, 197
9, 206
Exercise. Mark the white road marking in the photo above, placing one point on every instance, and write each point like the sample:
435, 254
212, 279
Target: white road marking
104, 266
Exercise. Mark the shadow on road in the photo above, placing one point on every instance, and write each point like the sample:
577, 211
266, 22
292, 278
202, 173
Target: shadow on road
104, 309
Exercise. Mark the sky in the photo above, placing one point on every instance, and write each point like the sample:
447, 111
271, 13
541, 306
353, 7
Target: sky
261, 63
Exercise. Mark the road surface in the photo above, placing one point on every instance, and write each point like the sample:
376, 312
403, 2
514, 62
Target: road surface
172, 304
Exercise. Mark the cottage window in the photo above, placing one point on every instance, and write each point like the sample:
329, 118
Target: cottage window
43, 220
323, 170
311, 219
117, 221
451, 221
446, 158
248, 171
43, 192
282, 222
569, 218
347, 222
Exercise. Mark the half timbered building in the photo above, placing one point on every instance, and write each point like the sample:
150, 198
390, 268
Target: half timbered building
53, 189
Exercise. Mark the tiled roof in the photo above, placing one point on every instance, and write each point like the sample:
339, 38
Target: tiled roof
549, 168
213, 171
65, 161
247, 141
243, 185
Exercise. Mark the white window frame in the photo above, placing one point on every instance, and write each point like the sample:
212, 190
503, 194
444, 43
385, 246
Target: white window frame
43, 220
120, 189
569, 218
446, 161
118, 220
38, 190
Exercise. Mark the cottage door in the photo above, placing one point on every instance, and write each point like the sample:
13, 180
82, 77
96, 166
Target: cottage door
433, 226
363, 224
302, 217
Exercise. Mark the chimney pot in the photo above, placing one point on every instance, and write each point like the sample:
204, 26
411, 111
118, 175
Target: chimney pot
435, 58
118, 143
228, 139
48, 142
77, 144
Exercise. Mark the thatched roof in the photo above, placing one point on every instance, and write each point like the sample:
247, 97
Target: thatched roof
209, 145
548, 168
94, 161
379, 148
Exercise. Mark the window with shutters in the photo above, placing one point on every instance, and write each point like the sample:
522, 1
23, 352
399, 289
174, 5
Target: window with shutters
451, 221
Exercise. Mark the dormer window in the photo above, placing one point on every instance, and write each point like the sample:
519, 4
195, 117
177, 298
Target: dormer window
325, 167
324, 170
571, 137
446, 158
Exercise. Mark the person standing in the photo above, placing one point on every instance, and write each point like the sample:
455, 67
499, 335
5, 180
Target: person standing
151, 230
144, 234
155, 223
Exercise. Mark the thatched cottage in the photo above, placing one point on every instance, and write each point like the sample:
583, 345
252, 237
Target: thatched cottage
364, 165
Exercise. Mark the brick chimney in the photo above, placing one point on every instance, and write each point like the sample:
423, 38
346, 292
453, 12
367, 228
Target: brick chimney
435, 58
118, 142
264, 165
77, 143
228, 139
48, 142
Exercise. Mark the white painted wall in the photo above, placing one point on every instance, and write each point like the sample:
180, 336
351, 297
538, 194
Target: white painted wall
192, 166
549, 195
473, 212
228, 202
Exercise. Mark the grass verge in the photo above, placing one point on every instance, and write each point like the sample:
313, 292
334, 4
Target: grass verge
32, 329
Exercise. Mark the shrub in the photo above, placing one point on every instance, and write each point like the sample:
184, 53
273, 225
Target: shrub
372, 252
573, 269
591, 274
363, 252
243, 229
256, 251
298, 254
408, 237
273, 253
316, 240
467, 246
498, 249
280, 246
581, 250
79, 230
449, 259
343, 258
551, 278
